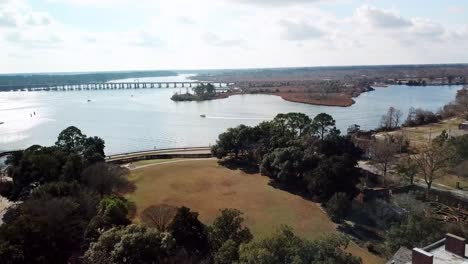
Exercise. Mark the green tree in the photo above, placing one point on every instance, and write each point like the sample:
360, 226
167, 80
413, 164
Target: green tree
189, 233
338, 206
71, 140
228, 253
285, 247
416, 230
227, 231
323, 123
132, 244
287, 166
235, 141
292, 125
332, 175
42, 231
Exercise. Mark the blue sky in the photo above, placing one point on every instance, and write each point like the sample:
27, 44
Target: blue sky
87, 35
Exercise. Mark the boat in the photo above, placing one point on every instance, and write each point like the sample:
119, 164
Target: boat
89, 101
203, 116
1, 123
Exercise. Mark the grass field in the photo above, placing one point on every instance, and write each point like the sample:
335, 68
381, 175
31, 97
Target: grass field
421, 134
206, 187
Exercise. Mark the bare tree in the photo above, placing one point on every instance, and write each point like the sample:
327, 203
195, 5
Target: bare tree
159, 216
461, 103
382, 154
408, 168
105, 178
433, 159
392, 119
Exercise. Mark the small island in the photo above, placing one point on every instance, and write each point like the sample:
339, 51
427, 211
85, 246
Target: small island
202, 92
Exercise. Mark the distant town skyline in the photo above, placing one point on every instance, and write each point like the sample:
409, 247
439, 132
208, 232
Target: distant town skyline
113, 35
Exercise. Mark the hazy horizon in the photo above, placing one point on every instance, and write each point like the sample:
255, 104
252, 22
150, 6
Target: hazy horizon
181, 71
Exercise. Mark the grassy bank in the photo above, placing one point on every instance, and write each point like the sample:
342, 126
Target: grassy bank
207, 187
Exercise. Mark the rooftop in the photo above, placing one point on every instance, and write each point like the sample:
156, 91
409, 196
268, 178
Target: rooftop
450, 250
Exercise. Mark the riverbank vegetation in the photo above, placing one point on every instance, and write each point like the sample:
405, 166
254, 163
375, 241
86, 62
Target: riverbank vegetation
201, 93
75, 78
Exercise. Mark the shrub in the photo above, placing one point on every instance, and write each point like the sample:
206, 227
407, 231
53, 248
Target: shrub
338, 206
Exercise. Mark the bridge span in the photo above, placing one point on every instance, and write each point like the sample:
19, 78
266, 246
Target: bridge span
111, 85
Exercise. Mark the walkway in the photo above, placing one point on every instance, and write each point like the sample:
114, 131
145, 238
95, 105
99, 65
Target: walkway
197, 152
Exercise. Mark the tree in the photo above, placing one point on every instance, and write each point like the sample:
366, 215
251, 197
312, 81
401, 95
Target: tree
383, 156
416, 230
408, 168
132, 244
322, 123
73, 167
43, 231
333, 174
189, 233
234, 141
227, 232
228, 253
71, 140
36, 165
391, 120
294, 125
199, 90
461, 103
112, 212
94, 150
159, 216
433, 160
104, 178
287, 165
338, 206
285, 247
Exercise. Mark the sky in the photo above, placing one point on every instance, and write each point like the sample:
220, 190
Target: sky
105, 35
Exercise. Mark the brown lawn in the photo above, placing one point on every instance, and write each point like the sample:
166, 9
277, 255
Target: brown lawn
206, 187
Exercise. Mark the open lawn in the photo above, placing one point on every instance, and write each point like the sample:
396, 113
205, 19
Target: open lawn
205, 187
421, 134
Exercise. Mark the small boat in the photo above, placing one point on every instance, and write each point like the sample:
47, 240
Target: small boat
89, 101
203, 116
1, 123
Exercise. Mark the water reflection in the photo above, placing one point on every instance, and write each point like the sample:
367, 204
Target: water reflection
131, 120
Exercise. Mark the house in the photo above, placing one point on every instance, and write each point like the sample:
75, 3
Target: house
450, 250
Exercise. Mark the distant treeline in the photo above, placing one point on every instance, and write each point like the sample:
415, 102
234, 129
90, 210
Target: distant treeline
78, 78
378, 73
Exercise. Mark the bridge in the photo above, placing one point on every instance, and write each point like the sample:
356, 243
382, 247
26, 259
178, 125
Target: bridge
111, 86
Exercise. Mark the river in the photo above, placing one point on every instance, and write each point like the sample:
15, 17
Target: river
132, 120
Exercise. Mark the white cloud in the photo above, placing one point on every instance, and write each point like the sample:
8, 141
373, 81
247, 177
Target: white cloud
301, 30
215, 40
381, 18
196, 34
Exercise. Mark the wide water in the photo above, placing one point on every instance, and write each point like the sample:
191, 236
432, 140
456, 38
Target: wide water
132, 120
